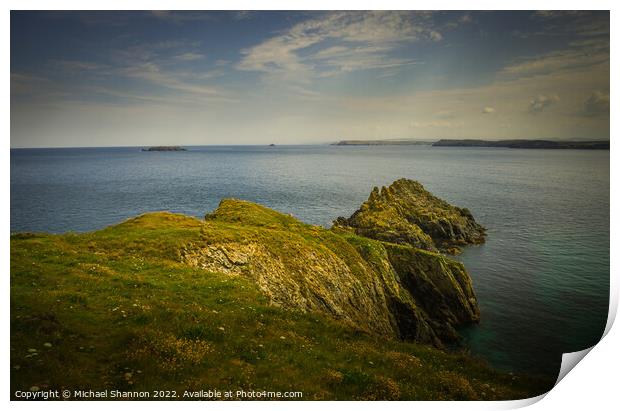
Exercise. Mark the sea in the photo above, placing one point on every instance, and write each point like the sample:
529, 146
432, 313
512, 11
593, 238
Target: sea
541, 278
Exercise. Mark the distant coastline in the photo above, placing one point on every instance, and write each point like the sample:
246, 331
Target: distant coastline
164, 148
546, 144
382, 143
521, 143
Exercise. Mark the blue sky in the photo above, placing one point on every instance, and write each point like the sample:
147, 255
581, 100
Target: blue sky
146, 78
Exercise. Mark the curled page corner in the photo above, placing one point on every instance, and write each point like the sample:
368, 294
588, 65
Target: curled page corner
569, 361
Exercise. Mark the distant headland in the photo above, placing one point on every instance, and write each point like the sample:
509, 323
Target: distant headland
546, 144
521, 143
165, 148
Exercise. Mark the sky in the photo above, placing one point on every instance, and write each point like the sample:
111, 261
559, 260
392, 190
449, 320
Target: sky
81, 79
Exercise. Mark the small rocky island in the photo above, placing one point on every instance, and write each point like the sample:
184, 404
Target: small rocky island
164, 148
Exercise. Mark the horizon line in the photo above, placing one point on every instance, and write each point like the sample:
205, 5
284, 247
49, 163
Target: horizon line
312, 144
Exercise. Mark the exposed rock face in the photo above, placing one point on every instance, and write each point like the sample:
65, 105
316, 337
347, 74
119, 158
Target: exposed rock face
386, 289
405, 213
440, 286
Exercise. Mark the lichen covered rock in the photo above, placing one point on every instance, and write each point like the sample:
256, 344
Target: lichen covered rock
405, 213
378, 287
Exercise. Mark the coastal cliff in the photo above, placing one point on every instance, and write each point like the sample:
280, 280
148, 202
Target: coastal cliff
246, 299
377, 287
405, 213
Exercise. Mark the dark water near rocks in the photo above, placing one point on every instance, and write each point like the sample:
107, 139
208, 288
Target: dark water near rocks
542, 278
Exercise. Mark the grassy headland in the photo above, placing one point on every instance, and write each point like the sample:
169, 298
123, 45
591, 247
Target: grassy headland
121, 309
252, 299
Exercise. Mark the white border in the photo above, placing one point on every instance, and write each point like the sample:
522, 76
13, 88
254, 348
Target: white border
591, 385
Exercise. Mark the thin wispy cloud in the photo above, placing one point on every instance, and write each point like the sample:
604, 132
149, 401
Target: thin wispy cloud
189, 57
340, 42
555, 62
597, 104
542, 102
582, 23
25, 84
154, 74
445, 114
581, 53
75, 66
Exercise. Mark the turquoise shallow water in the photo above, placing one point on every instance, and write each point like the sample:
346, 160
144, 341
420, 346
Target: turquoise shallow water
542, 278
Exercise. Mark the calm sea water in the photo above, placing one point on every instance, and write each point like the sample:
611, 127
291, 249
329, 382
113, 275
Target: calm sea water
542, 278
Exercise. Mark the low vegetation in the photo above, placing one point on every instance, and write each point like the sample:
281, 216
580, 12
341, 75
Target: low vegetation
120, 309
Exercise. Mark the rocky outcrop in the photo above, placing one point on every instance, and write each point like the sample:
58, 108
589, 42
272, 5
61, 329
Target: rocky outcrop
405, 213
380, 288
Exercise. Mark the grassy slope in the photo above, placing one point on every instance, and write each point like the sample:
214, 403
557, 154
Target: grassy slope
121, 312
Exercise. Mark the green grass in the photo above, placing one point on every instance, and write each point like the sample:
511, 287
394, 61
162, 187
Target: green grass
121, 311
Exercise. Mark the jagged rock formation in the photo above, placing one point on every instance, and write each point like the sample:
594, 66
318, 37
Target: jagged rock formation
405, 213
387, 289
